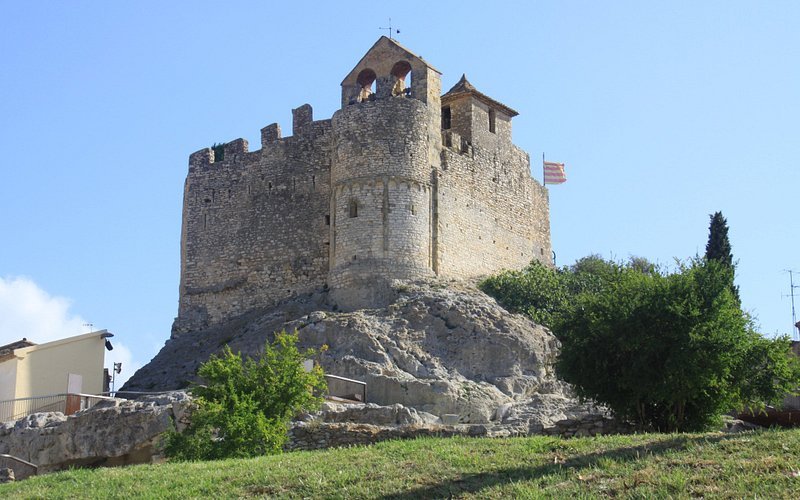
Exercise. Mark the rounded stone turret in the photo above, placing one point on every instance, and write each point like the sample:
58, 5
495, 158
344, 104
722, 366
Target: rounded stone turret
381, 199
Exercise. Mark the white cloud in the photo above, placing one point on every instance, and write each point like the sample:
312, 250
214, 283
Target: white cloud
28, 311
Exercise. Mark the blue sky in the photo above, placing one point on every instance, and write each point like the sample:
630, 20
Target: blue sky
663, 112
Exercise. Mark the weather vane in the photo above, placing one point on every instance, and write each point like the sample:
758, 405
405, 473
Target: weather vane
397, 31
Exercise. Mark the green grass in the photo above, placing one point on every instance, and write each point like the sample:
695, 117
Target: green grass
751, 465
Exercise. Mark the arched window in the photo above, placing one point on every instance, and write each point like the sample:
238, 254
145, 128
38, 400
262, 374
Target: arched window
366, 84
401, 72
353, 209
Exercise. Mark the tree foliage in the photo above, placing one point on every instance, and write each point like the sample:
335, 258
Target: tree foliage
546, 294
671, 351
245, 405
719, 246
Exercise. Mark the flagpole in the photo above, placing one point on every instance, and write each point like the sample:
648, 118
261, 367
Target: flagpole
544, 178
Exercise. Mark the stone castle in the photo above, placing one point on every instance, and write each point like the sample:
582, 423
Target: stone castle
401, 183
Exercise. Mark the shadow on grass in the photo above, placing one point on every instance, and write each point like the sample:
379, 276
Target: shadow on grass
473, 483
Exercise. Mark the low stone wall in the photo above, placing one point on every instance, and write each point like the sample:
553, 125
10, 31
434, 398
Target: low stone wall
587, 425
316, 436
358, 424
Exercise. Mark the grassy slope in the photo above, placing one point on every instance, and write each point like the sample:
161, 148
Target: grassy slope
763, 464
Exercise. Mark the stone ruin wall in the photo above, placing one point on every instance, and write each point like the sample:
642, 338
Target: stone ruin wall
254, 224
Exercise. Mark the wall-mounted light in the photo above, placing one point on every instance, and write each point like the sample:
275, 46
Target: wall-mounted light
106, 335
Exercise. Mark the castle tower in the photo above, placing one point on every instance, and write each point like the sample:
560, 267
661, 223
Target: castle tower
475, 116
401, 183
385, 146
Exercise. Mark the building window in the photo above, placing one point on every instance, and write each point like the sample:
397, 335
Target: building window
353, 210
327, 220
491, 121
401, 74
446, 118
366, 85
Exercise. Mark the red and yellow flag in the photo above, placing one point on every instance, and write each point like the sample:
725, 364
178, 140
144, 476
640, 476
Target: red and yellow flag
554, 173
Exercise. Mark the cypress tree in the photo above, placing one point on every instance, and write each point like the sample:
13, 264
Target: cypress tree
719, 247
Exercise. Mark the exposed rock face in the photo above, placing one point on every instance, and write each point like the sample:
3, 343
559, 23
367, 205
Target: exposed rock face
443, 351
441, 348
117, 433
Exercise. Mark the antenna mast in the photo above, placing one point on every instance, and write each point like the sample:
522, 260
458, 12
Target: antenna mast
792, 286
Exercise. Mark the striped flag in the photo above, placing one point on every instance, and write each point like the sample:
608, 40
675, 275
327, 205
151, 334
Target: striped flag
554, 173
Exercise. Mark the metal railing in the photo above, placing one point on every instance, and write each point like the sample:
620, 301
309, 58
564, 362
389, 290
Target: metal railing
15, 409
346, 388
22, 468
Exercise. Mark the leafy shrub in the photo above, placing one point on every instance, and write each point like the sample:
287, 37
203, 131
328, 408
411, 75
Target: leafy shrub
245, 405
537, 291
671, 351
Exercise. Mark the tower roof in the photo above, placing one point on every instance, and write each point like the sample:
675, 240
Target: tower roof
386, 43
463, 87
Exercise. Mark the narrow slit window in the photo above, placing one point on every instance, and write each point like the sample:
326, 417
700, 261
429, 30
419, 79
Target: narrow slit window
446, 118
353, 209
491, 121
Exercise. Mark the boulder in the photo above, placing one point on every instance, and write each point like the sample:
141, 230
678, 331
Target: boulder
110, 434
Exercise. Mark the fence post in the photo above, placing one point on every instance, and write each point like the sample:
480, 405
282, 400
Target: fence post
73, 404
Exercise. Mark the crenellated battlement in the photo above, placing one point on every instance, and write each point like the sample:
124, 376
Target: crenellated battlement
402, 182
237, 150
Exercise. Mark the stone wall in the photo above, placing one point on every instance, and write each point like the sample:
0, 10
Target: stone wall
255, 224
358, 425
491, 214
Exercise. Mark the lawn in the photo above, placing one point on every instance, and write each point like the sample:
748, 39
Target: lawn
763, 464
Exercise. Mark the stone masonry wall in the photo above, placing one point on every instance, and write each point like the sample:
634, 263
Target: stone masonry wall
255, 225
381, 198
491, 214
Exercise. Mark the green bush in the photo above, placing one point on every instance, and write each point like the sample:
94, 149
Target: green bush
546, 294
244, 407
670, 351
537, 291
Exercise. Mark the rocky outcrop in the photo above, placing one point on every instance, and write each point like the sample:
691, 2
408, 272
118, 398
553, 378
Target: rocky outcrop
443, 348
112, 433
128, 432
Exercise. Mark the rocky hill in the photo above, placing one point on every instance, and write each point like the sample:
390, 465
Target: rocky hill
443, 348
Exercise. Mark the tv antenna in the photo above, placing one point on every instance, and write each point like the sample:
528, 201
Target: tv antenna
90, 325
390, 29
792, 286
